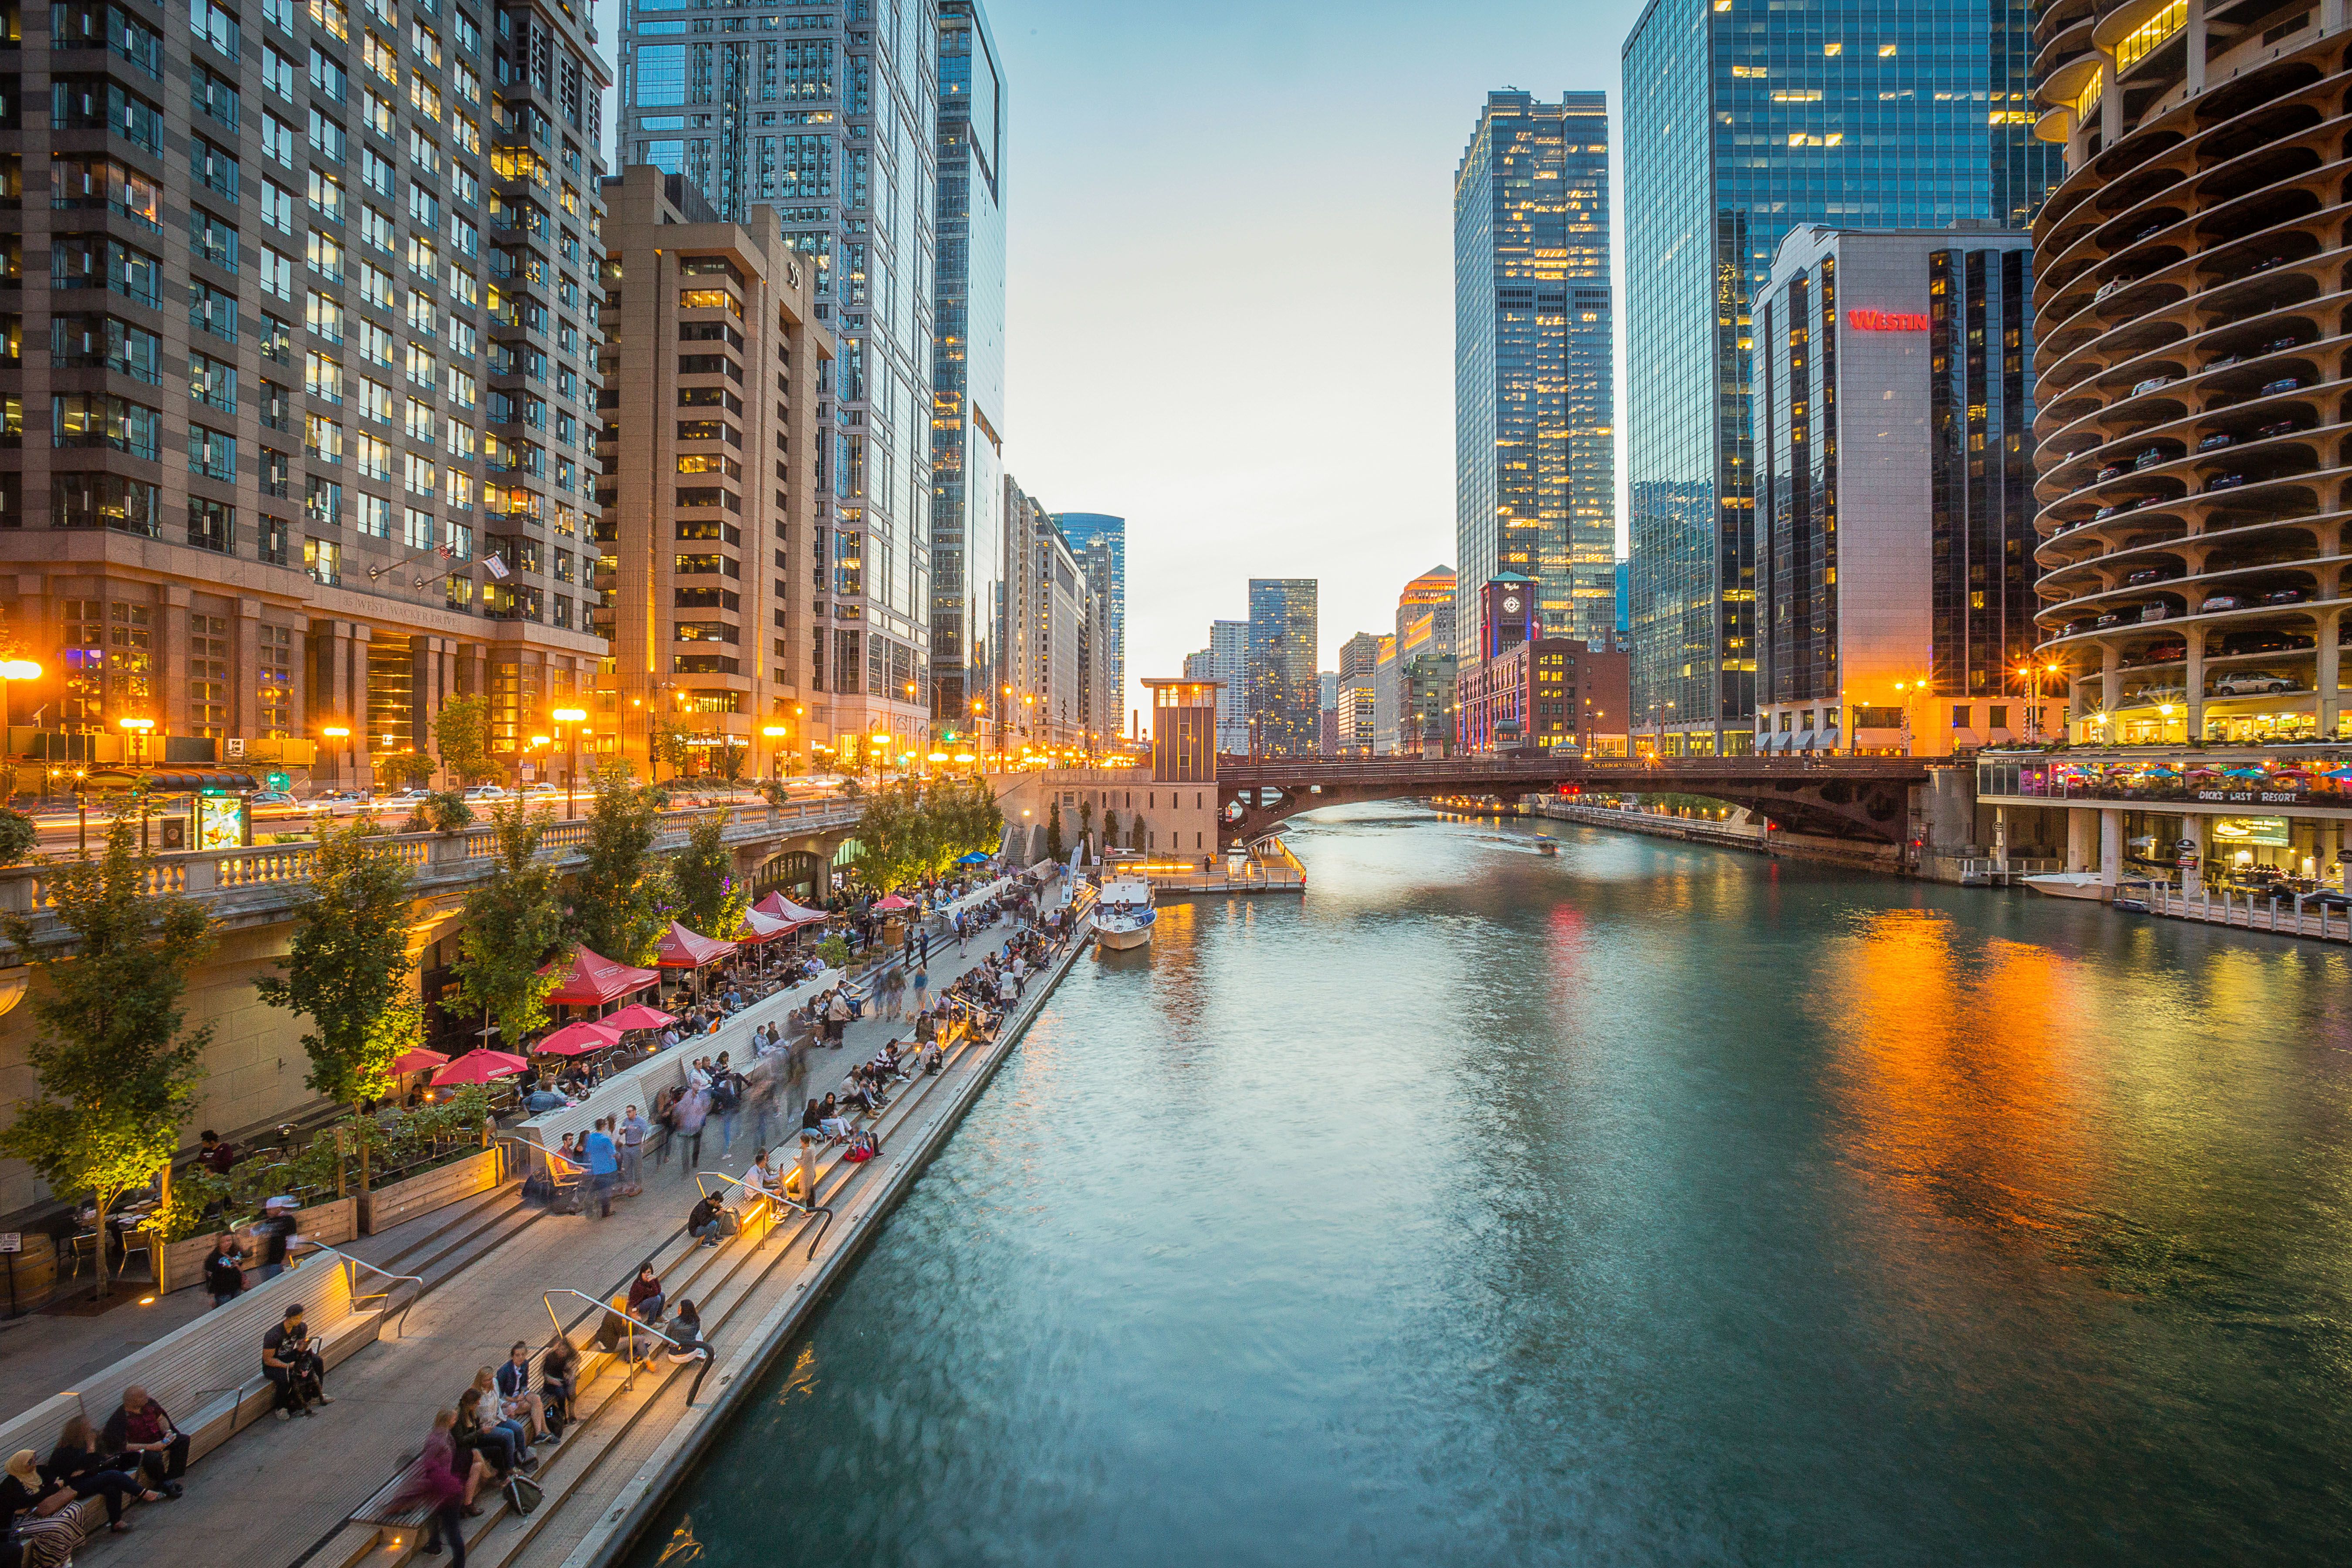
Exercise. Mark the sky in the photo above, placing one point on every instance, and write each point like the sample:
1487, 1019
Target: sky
1231, 292
1232, 282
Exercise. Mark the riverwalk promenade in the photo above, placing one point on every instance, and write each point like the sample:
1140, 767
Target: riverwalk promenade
282, 1495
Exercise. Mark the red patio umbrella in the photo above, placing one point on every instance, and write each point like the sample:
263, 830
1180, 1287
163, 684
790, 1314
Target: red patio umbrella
637, 1016
590, 980
759, 928
578, 1040
418, 1060
479, 1066
892, 904
783, 908
684, 949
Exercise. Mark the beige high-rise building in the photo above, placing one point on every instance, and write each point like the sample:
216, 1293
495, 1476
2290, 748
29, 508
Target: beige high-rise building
711, 463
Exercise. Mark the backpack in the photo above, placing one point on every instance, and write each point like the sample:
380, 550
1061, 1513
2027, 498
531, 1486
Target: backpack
523, 1495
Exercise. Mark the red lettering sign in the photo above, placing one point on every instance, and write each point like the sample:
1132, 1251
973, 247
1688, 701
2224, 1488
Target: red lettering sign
1885, 321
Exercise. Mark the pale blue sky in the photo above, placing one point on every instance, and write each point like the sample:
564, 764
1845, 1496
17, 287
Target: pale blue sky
1232, 285
1231, 316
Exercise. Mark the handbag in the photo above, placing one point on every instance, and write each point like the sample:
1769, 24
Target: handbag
523, 1495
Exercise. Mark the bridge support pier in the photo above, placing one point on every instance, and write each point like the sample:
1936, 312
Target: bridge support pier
2111, 847
2080, 824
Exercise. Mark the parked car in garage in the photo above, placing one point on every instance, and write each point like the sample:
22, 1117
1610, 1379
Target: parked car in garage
2252, 683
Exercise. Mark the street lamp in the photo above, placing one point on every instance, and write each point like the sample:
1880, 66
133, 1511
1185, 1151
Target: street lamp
570, 718
775, 732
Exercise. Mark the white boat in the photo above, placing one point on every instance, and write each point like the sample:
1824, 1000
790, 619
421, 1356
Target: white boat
2070, 885
1124, 915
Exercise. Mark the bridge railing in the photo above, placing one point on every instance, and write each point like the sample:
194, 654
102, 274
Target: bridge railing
31, 888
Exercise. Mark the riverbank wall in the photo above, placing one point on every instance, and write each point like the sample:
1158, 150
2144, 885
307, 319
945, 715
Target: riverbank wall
629, 1513
1739, 831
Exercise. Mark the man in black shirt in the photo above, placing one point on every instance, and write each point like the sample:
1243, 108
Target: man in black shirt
277, 1232
289, 1357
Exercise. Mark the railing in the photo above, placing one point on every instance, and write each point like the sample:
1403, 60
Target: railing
385, 1295
773, 1201
2258, 912
628, 1377
32, 889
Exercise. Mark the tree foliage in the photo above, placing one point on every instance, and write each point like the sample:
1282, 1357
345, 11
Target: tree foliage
461, 731
347, 968
117, 1077
1054, 848
911, 829
513, 924
710, 898
404, 769
1110, 838
620, 895
726, 759
17, 835
666, 735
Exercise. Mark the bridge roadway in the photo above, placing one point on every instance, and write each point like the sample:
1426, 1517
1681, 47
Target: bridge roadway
1837, 797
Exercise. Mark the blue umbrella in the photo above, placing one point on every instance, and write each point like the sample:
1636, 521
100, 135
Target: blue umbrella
2242, 773
974, 858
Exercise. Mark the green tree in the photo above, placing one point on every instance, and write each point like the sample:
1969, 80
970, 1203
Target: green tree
17, 835
618, 896
512, 924
727, 760
1085, 821
347, 967
710, 898
888, 833
462, 732
117, 1077
1112, 839
1053, 846
405, 770
666, 737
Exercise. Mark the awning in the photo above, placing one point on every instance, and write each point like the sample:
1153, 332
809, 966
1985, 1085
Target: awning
168, 784
683, 949
759, 928
590, 980
782, 908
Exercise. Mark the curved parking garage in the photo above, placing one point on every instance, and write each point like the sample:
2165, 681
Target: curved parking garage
2194, 315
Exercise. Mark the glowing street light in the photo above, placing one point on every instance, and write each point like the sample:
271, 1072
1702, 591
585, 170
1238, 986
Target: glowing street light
570, 718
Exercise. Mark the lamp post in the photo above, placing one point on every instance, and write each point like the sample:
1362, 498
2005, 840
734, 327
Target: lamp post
139, 728
775, 732
570, 718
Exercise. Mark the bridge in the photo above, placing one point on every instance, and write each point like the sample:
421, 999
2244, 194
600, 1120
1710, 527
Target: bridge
1838, 797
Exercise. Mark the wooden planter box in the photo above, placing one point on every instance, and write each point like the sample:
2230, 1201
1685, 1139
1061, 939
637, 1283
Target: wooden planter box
180, 1263
387, 1206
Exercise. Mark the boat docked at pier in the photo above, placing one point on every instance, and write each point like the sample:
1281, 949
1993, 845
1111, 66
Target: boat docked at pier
1125, 914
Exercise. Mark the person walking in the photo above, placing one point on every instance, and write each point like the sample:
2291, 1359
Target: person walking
693, 1111
922, 985
633, 1152
436, 1482
224, 1270
603, 1166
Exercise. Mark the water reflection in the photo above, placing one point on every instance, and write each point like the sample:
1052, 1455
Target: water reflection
1651, 1202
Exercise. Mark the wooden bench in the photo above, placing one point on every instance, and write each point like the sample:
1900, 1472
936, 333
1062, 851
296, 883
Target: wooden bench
207, 1373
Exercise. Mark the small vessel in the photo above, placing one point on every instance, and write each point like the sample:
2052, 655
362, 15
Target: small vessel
1125, 914
1545, 845
2070, 885
2133, 893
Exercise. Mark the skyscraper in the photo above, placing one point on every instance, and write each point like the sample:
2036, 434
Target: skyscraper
1101, 542
353, 479
1285, 697
831, 116
1741, 121
1431, 595
968, 525
1229, 663
1533, 406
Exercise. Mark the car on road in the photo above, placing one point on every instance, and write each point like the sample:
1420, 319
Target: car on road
270, 797
2252, 683
487, 792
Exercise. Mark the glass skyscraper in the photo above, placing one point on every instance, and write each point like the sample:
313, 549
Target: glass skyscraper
1286, 691
967, 531
1099, 541
1534, 408
829, 114
1741, 121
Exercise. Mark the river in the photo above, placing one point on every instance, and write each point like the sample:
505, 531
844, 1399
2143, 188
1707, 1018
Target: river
1649, 1204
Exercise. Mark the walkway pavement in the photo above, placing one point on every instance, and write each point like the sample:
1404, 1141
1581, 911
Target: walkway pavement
264, 1497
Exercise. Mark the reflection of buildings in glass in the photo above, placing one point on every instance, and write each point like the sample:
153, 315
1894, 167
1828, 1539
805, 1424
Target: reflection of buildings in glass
1101, 542
1917, 120
1534, 387
968, 531
1284, 697
1889, 367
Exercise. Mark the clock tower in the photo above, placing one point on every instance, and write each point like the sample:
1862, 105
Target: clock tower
1506, 614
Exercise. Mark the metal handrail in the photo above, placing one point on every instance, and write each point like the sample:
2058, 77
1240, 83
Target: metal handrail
383, 1295
628, 1378
777, 1199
